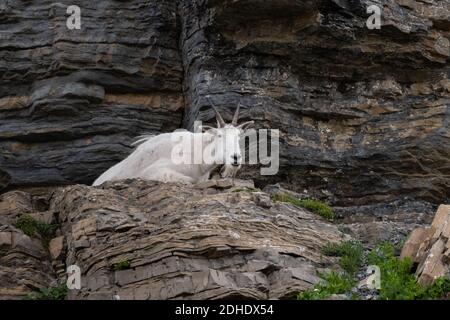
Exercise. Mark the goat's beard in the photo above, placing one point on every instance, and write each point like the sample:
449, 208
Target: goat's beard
229, 171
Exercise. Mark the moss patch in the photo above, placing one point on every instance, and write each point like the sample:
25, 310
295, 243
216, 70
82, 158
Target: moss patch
122, 265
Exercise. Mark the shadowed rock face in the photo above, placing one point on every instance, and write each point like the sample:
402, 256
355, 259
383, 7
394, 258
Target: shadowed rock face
72, 101
363, 113
148, 240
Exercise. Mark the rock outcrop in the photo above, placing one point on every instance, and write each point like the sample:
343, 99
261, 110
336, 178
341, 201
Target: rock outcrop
363, 118
429, 248
363, 114
147, 240
24, 262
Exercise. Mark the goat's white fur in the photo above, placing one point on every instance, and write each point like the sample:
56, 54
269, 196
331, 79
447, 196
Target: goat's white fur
152, 159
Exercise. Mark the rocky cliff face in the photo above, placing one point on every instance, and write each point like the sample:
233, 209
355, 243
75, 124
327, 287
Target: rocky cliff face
72, 101
147, 240
139, 239
363, 114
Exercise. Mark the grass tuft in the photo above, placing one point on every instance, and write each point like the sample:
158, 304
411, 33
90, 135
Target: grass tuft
318, 207
350, 252
334, 283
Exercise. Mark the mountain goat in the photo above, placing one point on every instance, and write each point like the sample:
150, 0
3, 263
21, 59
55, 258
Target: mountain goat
184, 156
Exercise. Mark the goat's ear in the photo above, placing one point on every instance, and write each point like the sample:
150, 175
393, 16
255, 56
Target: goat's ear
246, 125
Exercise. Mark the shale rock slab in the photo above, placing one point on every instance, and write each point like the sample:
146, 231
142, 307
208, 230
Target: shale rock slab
429, 247
149, 240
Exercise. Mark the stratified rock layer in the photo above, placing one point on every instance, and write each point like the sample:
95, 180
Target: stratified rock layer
363, 113
25, 265
72, 101
182, 242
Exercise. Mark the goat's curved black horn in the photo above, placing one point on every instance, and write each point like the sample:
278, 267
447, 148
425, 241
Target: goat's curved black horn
219, 118
236, 115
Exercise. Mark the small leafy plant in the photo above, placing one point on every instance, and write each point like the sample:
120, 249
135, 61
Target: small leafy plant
34, 228
440, 289
318, 207
53, 293
398, 281
397, 277
122, 265
334, 283
350, 252
351, 255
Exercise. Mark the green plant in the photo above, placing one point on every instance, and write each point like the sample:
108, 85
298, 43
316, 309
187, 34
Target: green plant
34, 228
315, 206
398, 281
351, 258
397, 278
53, 293
334, 283
438, 290
122, 265
350, 252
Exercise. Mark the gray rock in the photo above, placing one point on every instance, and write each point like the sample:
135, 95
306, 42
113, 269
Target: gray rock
363, 113
186, 243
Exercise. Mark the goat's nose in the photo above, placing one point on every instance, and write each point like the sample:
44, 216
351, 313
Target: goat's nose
236, 158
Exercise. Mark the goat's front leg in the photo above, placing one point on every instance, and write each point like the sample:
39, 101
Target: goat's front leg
230, 171
166, 175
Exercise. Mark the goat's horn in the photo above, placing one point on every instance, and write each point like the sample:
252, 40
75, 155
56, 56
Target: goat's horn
218, 116
245, 124
236, 115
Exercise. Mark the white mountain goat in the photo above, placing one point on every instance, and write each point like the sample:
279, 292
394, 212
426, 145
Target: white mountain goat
158, 157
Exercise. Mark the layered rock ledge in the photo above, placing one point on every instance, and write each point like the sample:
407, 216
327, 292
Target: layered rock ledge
148, 240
